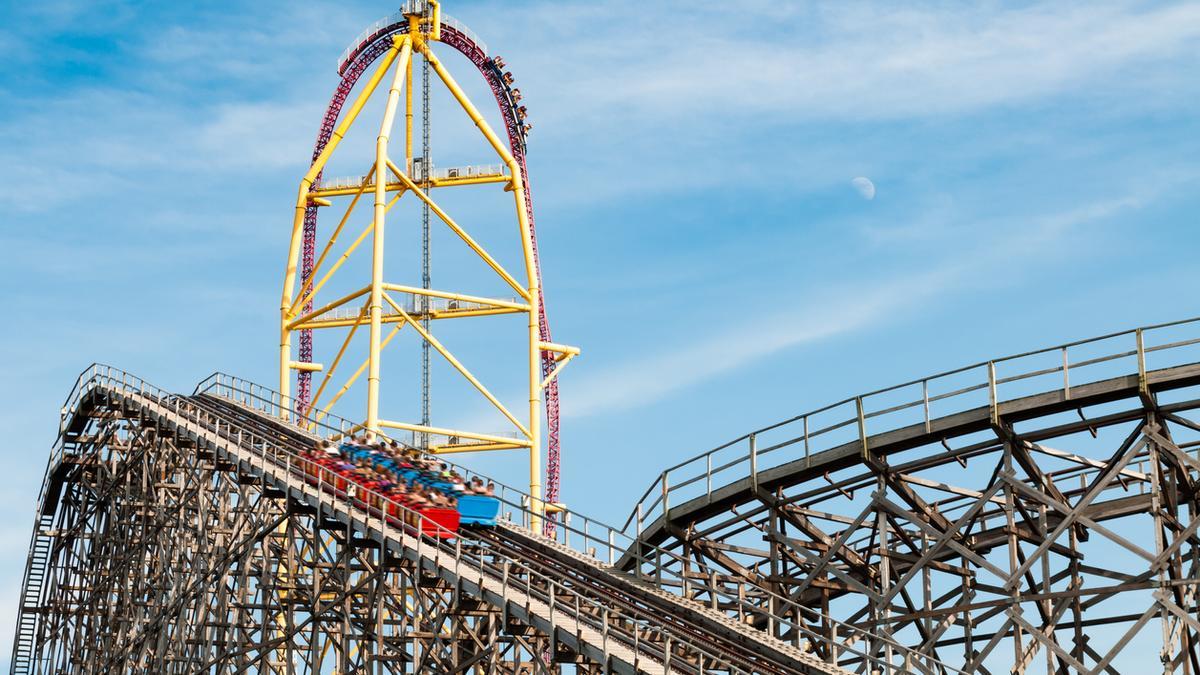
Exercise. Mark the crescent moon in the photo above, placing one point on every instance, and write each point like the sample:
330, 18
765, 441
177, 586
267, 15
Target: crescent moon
865, 187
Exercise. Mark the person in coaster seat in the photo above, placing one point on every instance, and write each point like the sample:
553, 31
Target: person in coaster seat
441, 501
416, 499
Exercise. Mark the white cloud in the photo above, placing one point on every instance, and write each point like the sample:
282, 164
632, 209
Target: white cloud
670, 86
840, 308
225, 96
832, 313
260, 135
694, 97
942, 224
845, 61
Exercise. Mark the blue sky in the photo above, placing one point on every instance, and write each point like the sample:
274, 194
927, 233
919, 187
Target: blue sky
1035, 166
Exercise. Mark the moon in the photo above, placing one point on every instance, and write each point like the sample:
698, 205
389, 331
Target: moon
865, 187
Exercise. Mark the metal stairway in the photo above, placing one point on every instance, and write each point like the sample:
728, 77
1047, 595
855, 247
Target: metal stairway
31, 594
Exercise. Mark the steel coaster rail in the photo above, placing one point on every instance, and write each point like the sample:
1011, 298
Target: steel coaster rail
587, 536
748, 454
267, 449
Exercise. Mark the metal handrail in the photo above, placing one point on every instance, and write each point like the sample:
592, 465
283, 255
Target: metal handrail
412, 303
268, 449
576, 531
587, 536
397, 20
435, 173
859, 410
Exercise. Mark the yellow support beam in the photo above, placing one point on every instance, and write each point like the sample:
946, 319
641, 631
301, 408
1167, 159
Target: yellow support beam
559, 364
329, 307
381, 162
337, 360
362, 236
452, 433
473, 447
358, 373
408, 115
562, 350
446, 295
289, 279
388, 318
388, 184
468, 313
394, 186
441, 349
462, 234
337, 231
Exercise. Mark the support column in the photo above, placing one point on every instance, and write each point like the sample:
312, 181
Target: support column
377, 237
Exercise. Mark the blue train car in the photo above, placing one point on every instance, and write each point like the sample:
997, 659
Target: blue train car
478, 510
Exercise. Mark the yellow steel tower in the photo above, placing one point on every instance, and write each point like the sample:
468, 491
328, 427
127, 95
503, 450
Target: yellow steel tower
375, 304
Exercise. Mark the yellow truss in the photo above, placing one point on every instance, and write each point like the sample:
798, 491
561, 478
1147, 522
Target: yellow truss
372, 305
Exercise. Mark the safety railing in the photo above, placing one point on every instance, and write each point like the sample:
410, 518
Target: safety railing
377, 28
413, 304
396, 20
69, 406
605, 544
1067, 368
451, 22
469, 171
343, 182
628, 627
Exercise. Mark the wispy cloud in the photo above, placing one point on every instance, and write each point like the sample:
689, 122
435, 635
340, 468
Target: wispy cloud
849, 60
837, 309
225, 95
258, 135
942, 225
675, 97
836, 312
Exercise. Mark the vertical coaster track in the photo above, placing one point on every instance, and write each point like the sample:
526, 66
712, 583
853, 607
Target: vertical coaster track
366, 50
